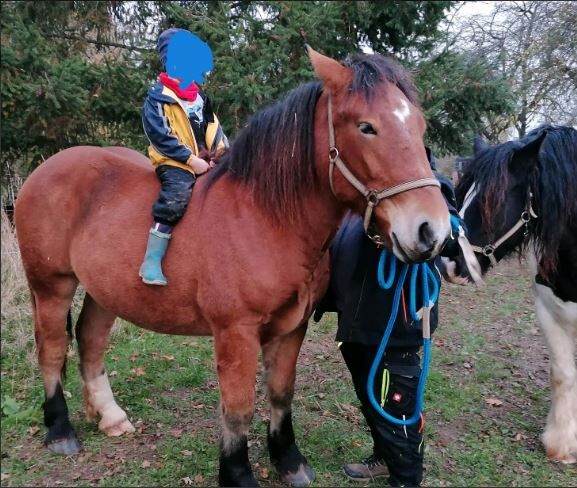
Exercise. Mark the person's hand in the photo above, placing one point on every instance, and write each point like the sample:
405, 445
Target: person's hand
198, 165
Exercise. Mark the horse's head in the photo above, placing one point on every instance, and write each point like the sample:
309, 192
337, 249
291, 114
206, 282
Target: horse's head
496, 202
378, 163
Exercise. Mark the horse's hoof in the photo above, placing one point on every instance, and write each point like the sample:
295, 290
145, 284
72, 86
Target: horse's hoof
67, 447
124, 427
303, 477
247, 480
563, 456
567, 459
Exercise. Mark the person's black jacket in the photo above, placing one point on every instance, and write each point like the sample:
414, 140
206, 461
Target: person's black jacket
354, 292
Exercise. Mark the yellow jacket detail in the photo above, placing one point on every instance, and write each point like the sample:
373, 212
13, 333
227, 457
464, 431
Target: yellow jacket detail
169, 131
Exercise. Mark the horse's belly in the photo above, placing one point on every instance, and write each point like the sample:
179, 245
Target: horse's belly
159, 309
163, 320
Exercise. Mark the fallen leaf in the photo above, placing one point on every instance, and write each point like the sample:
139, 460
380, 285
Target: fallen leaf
198, 406
113, 373
154, 355
198, 478
145, 464
167, 358
264, 473
494, 402
133, 357
67, 394
4, 476
519, 437
33, 430
176, 433
186, 453
138, 371
187, 481
467, 365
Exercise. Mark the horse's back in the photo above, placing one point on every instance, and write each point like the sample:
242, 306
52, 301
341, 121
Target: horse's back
57, 198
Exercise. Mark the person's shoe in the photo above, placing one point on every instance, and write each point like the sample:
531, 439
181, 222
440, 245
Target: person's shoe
151, 270
367, 470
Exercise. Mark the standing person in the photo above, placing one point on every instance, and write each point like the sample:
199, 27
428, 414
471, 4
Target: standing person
181, 127
363, 310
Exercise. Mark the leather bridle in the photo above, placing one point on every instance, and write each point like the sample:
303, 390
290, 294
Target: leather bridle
488, 250
373, 196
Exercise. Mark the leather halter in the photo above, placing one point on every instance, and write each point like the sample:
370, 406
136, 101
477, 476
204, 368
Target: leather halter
373, 196
488, 250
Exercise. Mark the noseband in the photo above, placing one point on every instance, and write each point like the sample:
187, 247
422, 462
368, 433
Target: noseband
373, 197
489, 250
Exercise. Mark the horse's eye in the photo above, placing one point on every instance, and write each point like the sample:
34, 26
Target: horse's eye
367, 128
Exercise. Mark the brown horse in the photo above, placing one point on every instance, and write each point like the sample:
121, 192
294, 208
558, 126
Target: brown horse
247, 263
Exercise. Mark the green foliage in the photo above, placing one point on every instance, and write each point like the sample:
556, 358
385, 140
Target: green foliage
259, 48
57, 89
77, 72
10, 406
458, 92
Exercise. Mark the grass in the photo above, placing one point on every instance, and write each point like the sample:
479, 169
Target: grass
486, 348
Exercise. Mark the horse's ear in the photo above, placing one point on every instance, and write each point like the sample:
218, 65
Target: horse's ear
479, 145
532, 143
332, 73
527, 152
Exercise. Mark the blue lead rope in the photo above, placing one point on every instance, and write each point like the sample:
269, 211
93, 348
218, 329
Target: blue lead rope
430, 291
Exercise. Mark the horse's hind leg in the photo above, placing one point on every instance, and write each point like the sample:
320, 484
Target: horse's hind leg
280, 357
558, 320
92, 332
51, 307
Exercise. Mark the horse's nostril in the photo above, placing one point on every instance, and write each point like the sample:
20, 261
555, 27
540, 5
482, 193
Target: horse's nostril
427, 236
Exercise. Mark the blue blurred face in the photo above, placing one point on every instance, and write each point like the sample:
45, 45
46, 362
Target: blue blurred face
188, 58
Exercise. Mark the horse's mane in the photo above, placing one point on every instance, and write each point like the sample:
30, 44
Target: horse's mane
274, 153
552, 179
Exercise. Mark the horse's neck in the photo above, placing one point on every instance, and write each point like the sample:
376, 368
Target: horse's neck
320, 224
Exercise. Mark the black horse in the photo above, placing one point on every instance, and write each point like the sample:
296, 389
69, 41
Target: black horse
522, 195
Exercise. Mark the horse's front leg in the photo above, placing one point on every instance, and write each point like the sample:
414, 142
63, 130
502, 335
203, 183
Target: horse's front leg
236, 348
558, 321
280, 357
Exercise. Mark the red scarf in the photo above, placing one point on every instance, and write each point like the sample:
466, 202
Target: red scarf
188, 93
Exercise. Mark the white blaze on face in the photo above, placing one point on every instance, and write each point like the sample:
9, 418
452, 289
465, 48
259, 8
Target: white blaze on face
403, 111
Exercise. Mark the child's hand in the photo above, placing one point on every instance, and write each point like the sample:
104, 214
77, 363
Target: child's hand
198, 165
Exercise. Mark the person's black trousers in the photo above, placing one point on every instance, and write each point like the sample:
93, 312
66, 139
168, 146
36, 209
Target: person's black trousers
401, 448
175, 192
